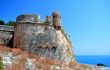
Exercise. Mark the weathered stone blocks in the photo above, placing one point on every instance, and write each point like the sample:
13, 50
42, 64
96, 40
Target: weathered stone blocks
44, 40
5, 37
49, 43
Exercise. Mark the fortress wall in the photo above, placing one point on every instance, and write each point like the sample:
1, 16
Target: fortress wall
6, 35
43, 40
5, 38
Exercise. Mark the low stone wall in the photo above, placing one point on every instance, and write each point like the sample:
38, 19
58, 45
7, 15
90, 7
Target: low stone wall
6, 28
5, 38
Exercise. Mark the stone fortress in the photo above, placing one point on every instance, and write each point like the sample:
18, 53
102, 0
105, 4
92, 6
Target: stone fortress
45, 38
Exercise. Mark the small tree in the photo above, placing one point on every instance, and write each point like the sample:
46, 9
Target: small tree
11, 23
2, 22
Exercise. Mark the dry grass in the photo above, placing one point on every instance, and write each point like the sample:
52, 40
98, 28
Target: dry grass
0, 58
4, 49
16, 51
41, 63
73, 64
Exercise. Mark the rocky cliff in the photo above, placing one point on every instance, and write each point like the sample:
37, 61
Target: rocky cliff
16, 59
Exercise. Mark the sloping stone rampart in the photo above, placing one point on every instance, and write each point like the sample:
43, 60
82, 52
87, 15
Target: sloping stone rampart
43, 40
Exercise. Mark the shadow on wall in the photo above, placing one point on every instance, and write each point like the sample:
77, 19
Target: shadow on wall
10, 44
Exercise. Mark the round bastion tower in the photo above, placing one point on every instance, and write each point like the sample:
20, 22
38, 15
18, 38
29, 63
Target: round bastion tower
28, 18
52, 43
56, 20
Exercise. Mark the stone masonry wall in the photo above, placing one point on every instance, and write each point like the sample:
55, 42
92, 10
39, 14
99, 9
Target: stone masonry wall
43, 40
5, 37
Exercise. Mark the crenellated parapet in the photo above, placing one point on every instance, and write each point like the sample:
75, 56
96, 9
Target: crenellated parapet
54, 20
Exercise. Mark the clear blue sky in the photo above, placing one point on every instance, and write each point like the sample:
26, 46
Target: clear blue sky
86, 21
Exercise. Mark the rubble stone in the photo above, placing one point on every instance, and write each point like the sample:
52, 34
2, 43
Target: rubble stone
5, 38
30, 65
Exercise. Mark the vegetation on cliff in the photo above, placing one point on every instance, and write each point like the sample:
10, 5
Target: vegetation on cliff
2, 22
22, 60
10, 23
1, 64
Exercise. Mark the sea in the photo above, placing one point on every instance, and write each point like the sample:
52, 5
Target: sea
94, 60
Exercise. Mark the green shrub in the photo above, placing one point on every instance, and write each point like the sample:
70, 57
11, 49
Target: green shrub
2, 22
11, 23
1, 65
37, 51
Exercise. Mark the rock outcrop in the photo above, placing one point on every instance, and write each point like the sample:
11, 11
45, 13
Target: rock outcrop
16, 59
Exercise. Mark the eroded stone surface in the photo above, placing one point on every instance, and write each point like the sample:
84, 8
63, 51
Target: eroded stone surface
43, 40
5, 37
30, 64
